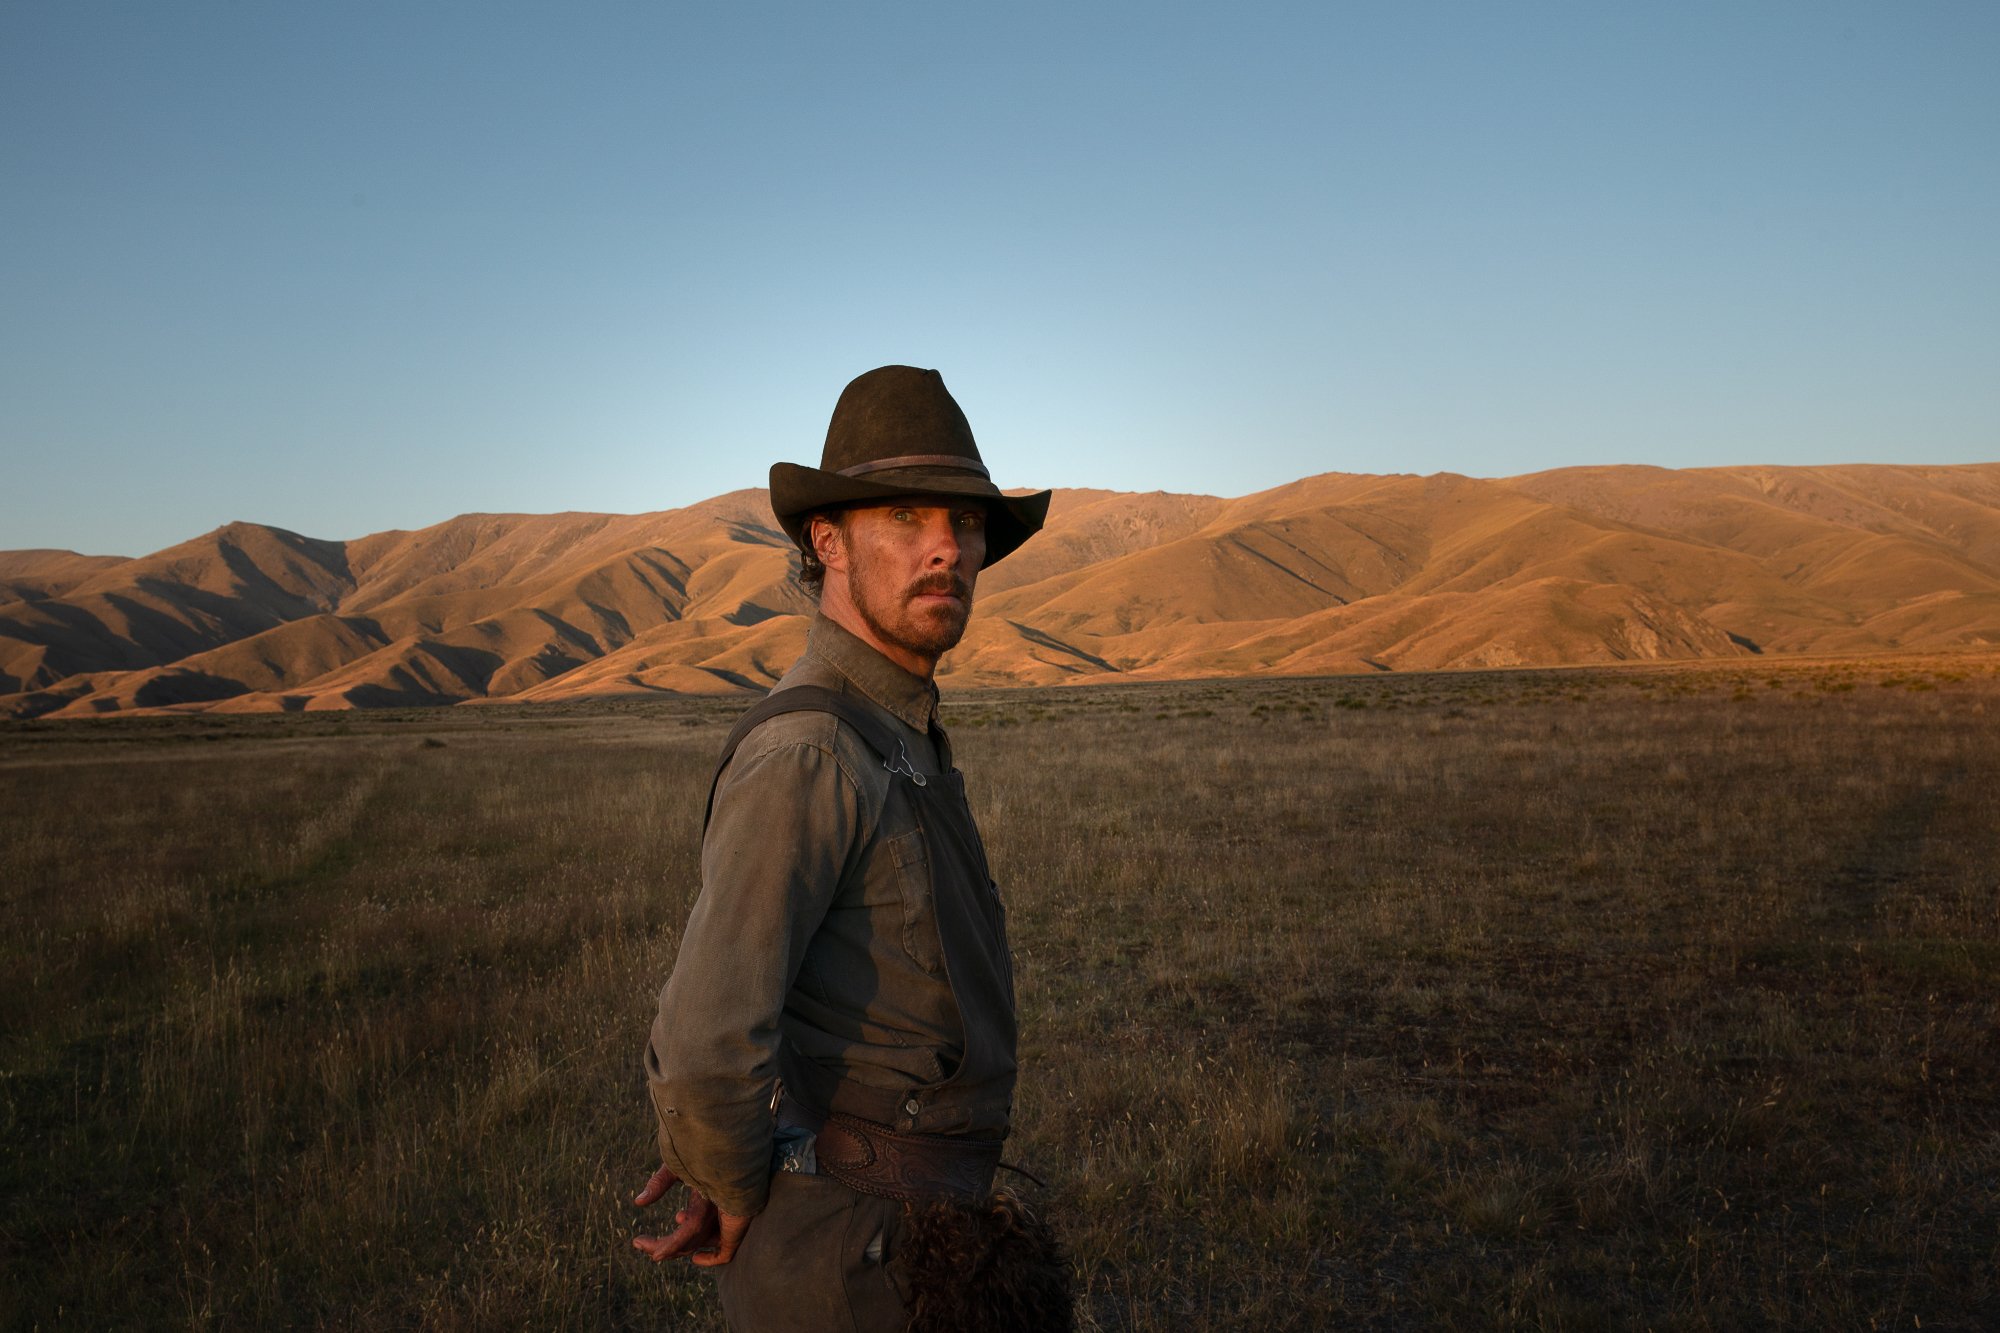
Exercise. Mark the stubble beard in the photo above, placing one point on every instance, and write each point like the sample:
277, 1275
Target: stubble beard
931, 630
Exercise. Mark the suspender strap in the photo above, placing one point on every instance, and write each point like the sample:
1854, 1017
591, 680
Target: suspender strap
805, 699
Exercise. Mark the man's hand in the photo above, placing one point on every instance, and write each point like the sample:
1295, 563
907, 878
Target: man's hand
702, 1232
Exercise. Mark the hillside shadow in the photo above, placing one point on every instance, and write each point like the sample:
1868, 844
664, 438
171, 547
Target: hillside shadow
410, 686
186, 687
64, 655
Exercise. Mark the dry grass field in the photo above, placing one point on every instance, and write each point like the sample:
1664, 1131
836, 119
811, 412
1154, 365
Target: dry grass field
1660, 997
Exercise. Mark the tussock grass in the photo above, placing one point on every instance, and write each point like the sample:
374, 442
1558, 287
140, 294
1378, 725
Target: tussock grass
1663, 997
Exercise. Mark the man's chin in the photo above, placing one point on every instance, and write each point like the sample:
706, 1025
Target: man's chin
930, 628
935, 630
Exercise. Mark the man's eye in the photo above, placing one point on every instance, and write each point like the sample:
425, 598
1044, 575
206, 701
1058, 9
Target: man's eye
972, 518
900, 515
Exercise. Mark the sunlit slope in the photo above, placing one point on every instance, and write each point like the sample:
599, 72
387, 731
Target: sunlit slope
1093, 527
1869, 558
1330, 573
237, 581
1354, 573
27, 576
480, 606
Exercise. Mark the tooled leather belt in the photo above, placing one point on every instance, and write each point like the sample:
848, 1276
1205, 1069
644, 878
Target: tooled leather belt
913, 1168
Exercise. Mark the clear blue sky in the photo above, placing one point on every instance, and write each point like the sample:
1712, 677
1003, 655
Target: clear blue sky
349, 266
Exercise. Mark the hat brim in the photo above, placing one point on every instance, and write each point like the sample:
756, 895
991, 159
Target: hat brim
1011, 519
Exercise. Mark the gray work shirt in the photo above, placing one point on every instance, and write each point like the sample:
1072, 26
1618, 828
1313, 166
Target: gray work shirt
815, 926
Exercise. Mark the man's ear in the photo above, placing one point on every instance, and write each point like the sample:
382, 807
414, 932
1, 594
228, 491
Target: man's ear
824, 533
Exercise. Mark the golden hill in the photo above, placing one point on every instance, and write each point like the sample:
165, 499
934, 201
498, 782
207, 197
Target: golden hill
1332, 573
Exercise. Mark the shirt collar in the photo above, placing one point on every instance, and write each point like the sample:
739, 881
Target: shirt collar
911, 699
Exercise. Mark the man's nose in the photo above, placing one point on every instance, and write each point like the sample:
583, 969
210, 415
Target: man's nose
945, 542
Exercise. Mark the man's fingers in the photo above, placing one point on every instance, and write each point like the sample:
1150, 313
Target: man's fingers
705, 1233
731, 1236
689, 1235
657, 1248
697, 1231
662, 1181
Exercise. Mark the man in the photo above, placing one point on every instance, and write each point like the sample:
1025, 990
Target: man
835, 1046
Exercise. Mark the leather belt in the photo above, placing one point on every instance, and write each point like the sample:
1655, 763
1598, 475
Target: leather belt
873, 1159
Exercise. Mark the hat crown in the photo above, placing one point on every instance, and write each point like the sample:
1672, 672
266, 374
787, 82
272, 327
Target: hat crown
896, 432
893, 413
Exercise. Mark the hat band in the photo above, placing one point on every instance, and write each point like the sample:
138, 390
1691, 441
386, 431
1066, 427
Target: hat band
953, 461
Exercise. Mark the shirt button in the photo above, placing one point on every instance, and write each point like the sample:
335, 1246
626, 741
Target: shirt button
911, 1107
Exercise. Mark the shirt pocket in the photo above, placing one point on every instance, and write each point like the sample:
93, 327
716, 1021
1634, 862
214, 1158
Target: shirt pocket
912, 860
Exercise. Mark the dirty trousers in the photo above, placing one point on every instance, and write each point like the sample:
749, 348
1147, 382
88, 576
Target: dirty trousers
815, 1261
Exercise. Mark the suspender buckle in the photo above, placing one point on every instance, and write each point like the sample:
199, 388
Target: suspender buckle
901, 764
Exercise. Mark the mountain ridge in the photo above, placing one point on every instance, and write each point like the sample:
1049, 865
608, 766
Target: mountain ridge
1333, 572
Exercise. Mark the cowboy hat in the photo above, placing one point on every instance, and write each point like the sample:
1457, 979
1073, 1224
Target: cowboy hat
896, 431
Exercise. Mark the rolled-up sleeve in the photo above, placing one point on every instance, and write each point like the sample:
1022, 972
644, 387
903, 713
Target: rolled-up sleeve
785, 821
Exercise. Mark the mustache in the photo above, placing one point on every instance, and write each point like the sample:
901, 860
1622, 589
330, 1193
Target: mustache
942, 581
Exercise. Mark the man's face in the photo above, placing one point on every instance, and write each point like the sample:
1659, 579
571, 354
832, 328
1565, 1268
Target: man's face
911, 564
